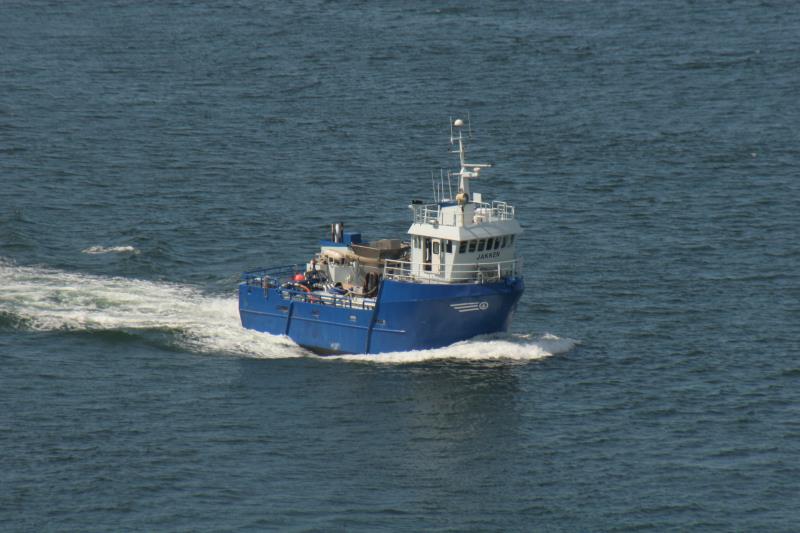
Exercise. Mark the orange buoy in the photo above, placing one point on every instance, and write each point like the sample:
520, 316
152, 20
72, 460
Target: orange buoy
311, 298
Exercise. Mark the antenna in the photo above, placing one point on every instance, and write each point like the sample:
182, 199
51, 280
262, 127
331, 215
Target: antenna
469, 125
468, 170
451, 130
449, 186
433, 186
458, 123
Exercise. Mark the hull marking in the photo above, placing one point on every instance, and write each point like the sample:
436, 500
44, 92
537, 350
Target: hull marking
468, 307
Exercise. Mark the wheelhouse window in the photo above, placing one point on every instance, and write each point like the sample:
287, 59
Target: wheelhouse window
489, 243
449, 247
497, 243
436, 247
481, 244
472, 245
505, 240
462, 247
511, 241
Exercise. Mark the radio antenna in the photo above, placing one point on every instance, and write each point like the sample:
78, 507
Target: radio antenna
451, 131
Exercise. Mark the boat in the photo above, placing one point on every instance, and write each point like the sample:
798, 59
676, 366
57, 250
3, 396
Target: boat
457, 276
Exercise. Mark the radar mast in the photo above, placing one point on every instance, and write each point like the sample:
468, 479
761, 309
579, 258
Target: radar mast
467, 171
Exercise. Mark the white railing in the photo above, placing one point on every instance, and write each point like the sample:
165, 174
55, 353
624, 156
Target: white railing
483, 212
454, 273
426, 214
496, 212
502, 211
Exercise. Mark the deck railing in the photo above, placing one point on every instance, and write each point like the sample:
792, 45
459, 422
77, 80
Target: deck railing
426, 213
278, 277
455, 273
274, 275
501, 211
432, 213
324, 298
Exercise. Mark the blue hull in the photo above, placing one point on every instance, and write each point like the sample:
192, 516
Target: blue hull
406, 316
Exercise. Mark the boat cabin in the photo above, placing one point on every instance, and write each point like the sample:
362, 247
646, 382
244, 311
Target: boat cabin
463, 239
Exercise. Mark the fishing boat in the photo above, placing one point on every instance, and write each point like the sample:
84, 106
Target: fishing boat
457, 276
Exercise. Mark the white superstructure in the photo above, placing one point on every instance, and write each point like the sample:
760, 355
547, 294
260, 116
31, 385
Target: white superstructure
461, 239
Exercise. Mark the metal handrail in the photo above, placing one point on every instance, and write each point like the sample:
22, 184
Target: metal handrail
255, 277
326, 299
503, 210
456, 273
495, 212
423, 214
275, 277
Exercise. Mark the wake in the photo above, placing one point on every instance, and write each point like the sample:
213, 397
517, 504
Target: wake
110, 250
513, 347
44, 299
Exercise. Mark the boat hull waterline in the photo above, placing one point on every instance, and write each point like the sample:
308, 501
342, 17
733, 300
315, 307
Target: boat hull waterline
405, 316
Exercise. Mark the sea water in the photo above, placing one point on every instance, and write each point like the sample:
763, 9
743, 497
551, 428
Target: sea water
150, 152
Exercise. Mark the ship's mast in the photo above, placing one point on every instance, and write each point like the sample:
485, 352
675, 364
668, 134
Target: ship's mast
468, 171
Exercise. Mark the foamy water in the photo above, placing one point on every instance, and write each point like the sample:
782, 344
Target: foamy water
48, 299
497, 347
110, 250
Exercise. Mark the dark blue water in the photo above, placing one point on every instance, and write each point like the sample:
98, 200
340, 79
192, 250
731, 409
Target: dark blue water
149, 152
